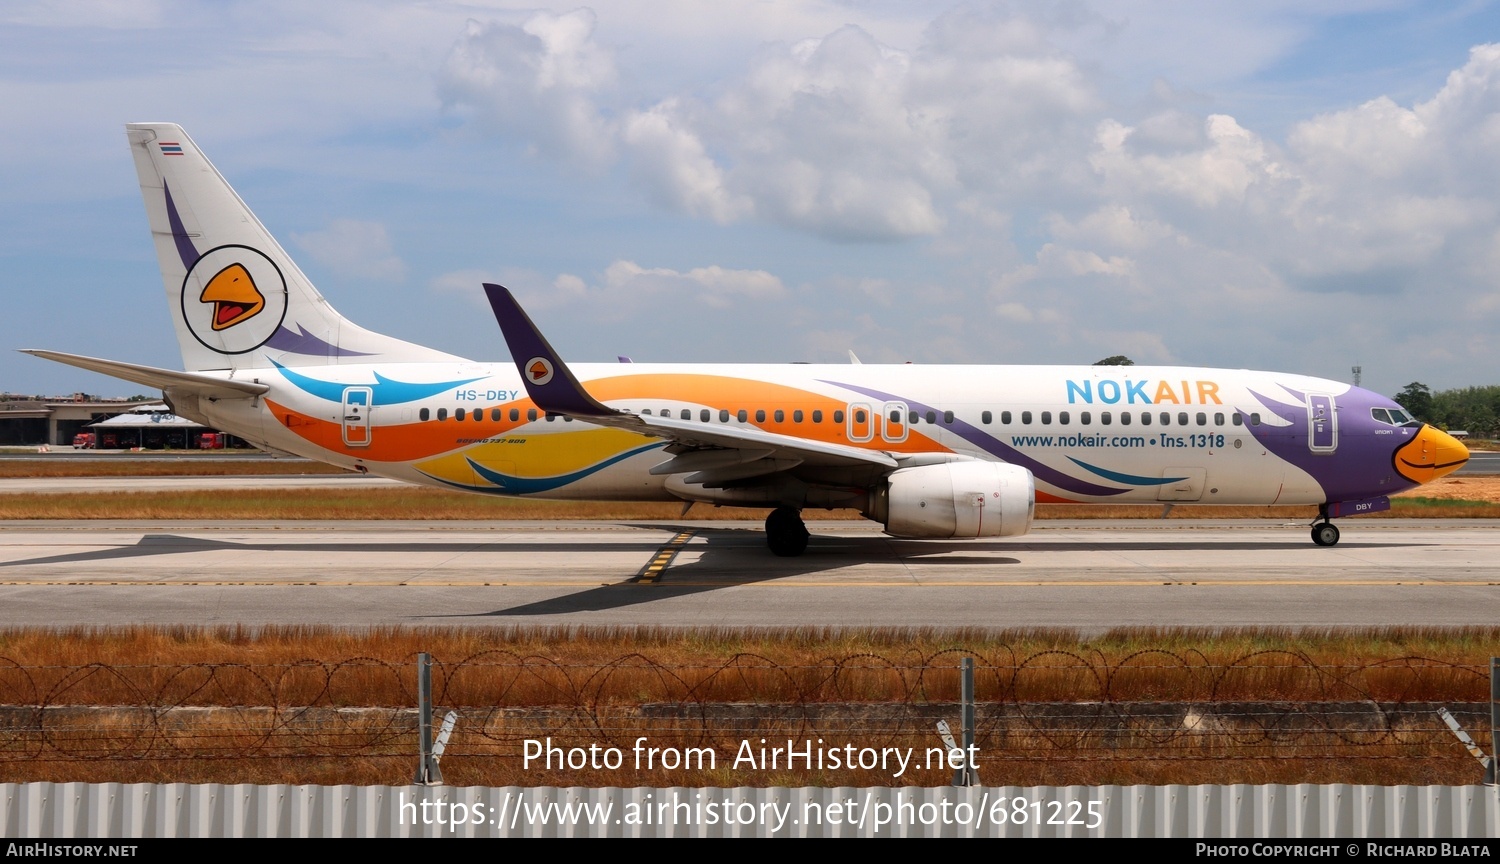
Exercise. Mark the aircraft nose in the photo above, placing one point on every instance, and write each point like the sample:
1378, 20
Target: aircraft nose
1432, 454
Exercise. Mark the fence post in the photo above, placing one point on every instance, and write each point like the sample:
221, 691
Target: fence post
428, 772
1492, 776
969, 774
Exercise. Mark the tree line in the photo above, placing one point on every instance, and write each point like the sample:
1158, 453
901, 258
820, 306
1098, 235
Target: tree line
1475, 410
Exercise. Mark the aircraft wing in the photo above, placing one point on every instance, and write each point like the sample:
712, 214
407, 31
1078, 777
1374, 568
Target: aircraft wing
206, 386
552, 386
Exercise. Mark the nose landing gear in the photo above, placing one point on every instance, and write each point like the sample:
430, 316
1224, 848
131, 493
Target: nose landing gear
1324, 533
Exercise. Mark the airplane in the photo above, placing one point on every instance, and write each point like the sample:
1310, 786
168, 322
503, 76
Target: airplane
927, 451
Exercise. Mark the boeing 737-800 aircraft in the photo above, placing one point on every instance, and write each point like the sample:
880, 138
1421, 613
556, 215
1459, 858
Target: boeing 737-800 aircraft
928, 451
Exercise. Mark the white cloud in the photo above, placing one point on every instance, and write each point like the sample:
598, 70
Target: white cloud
353, 249
713, 285
540, 79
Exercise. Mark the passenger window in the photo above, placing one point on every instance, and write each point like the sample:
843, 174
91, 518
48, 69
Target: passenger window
646, 411
931, 416
741, 415
1182, 418
1046, 418
1105, 418
494, 415
1218, 418
912, 416
703, 415
1025, 418
1238, 418
895, 416
1166, 419
459, 414
1062, 418
1005, 418
1124, 418
686, 414
818, 416
1255, 419
1145, 418
478, 415
442, 413
530, 413
551, 416
760, 415
1202, 419
948, 417
424, 414
859, 415
723, 415
515, 414
1085, 418
797, 416
780, 415
838, 416
985, 418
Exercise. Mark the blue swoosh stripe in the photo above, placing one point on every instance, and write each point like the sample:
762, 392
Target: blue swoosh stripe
510, 485
385, 391
1127, 478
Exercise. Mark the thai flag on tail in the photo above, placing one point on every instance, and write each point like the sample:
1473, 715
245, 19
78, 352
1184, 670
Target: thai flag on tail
171, 148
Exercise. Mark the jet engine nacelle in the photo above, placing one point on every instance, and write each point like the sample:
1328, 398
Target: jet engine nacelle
957, 499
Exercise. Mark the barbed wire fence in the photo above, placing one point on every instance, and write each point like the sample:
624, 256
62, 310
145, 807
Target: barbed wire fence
1140, 715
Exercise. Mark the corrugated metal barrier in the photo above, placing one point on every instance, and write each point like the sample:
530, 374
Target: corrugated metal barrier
105, 810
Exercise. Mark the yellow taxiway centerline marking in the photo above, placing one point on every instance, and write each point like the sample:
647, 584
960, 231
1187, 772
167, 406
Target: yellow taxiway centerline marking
662, 559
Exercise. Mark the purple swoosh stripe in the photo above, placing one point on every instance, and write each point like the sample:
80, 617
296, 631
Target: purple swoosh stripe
185, 248
1361, 468
303, 342
990, 445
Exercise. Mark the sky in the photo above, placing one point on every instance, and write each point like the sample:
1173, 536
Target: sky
1293, 186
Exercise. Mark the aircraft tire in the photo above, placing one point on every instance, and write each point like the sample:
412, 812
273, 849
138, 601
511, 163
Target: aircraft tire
1325, 534
785, 532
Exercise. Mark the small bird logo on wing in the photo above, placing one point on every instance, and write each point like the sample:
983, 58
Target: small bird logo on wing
539, 370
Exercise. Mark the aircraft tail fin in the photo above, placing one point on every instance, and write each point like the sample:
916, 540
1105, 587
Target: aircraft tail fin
238, 301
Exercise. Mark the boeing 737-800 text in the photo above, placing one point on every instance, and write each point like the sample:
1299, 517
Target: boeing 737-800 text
928, 451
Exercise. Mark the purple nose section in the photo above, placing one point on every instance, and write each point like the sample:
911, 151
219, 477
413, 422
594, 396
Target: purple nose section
546, 378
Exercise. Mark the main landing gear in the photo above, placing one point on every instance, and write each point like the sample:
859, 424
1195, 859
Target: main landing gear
1324, 533
785, 533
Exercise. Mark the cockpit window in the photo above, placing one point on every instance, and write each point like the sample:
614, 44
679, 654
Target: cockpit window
1393, 416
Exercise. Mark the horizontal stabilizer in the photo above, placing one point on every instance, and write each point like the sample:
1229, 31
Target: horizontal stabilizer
206, 386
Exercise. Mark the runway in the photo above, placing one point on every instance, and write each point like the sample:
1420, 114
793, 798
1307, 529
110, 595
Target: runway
1087, 575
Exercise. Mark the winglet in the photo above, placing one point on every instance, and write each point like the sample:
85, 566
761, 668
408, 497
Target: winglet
548, 381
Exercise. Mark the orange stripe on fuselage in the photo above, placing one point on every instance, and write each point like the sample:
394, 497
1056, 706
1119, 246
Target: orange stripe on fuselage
736, 394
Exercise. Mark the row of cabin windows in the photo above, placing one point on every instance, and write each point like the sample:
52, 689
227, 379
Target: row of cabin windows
477, 414
705, 415
1085, 418
1064, 418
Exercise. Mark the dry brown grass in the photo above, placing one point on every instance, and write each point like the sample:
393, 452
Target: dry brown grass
608, 686
442, 505
138, 465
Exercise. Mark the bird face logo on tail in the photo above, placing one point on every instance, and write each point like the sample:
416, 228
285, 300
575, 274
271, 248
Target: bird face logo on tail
234, 296
233, 299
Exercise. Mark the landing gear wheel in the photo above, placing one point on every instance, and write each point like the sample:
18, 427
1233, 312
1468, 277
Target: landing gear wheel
785, 533
1325, 533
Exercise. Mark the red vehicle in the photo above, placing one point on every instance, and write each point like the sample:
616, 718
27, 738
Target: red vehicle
212, 441
84, 441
